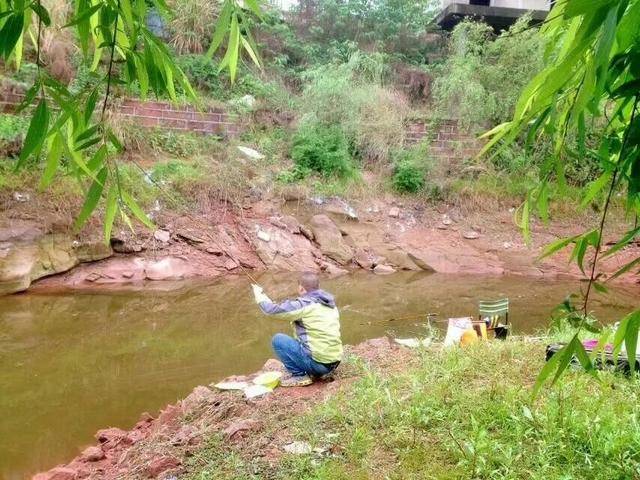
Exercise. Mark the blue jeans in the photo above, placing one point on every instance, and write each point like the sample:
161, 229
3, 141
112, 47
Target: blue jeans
296, 359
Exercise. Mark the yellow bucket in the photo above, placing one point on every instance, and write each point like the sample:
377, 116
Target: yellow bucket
268, 379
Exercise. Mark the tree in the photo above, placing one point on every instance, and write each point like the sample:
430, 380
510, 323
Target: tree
119, 48
592, 70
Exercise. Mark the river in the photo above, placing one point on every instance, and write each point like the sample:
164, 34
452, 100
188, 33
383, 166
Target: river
74, 362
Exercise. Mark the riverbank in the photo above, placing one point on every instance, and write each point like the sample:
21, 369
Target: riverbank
390, 413
282, 233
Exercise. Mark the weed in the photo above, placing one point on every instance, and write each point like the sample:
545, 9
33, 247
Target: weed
323, 150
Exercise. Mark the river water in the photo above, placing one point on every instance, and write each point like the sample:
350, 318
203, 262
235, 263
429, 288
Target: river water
75, 362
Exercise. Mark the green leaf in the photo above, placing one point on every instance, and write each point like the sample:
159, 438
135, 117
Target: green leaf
97, 160
559, 244
221, 27
88, 133
115, 142
10, 33
53, 161
110, 213
36, 133
254, 7
623, 242
88, 144
136, 210
92, 198
249, 50
558, 363
90, 105
42, 13
624, 269
595, 188
83, 15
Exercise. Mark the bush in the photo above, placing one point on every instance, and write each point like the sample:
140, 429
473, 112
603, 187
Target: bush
322, 149
192, 24
482, 77
408, 175
201, 71
370, 115
12, 131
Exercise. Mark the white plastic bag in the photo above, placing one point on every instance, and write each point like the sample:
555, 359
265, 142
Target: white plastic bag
456, 328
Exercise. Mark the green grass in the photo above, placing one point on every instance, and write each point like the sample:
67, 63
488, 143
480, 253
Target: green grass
464, 414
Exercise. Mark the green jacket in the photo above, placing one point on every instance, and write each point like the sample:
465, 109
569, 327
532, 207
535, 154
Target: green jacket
316, 322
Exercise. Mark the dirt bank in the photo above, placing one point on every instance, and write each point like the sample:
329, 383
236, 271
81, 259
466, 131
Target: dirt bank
164, 446
325, 234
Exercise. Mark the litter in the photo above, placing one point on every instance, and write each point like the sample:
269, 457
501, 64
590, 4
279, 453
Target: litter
621, 364
255, 391
231, 385
455, 329
298, 448
413, 342
268, 379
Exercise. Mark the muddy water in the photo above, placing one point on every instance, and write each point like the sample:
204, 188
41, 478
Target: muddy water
76, 362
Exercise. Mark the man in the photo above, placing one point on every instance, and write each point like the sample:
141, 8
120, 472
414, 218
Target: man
316, 350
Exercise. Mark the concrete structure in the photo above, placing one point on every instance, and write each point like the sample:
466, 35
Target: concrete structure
500, 14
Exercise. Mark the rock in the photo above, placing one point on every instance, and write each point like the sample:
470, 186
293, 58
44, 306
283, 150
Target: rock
214, 251
92, 277
250, 153
110, 435
189, 236
276, 222
307, 232
161, 464
264, 236
187, 435
341, 209
363, 259
272, 365
169, 416
394, 212
26, 254
122, 246
168, 268
58, 473
384, 269
162, 236
199, 396
128, 274
298, 448
507, 245
446, 220
332, 270
92, 454
471, 235
21, 197
442, 227
243, 425
415, 258
330, 239
230, 264
248, 101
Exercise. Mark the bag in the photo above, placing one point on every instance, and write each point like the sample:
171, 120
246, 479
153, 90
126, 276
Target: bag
455, 329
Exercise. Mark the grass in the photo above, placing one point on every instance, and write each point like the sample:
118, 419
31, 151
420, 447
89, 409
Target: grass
461, 414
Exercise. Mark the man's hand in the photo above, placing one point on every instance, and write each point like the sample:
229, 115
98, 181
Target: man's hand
258, 292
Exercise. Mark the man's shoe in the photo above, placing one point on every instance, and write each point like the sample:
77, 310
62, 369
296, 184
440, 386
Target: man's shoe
296, 381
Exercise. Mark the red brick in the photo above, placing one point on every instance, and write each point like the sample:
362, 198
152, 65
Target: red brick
172, 123
126, 110
177, 114
148, 111
147, 121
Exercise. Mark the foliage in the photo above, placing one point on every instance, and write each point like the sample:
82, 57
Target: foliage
441, 416
202, 72
12, 130
118, 46
322, 149
409, 172
370, 115
191, 24
481, 78
591, 69
388, 25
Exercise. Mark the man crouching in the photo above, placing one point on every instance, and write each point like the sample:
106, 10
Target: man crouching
316, 349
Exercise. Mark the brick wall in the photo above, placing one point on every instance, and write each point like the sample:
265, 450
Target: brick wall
214, 121
447, 141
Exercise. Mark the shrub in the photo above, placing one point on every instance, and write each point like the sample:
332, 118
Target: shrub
192, 24
482, 77
407, 177
322, 149
12, 131
201, 71
370, 115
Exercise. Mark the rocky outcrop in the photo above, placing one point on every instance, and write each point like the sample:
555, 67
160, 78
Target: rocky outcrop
27, 253
330, 240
